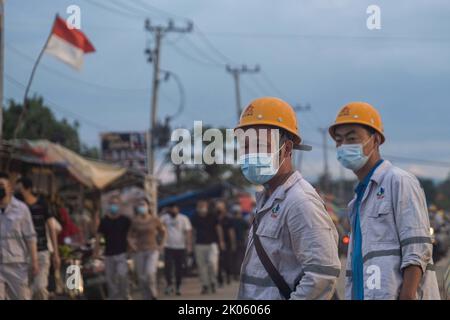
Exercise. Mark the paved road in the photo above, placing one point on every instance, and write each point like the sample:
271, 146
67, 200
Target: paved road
191, 287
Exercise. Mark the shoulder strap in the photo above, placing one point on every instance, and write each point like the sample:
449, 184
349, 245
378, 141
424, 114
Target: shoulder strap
276, 277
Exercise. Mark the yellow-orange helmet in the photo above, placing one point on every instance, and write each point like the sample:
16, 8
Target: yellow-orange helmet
273, 112
359, 113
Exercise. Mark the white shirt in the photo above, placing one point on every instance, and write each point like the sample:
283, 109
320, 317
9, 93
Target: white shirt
176, 230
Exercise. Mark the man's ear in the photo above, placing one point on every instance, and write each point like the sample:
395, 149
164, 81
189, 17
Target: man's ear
378, 140
289, 145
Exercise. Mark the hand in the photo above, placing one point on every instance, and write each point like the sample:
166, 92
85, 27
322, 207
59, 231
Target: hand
35, 268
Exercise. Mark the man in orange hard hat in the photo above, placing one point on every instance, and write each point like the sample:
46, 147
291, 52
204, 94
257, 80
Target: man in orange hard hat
292, 248
389, 254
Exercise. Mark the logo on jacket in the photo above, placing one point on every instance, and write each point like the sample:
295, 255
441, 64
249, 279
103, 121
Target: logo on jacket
275, 211
380, 193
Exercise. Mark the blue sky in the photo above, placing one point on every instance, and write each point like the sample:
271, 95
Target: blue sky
312, 51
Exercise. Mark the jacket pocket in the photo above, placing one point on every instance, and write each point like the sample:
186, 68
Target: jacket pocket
381, 226
269, 229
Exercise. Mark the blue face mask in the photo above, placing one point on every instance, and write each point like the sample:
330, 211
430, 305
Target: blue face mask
258, 168
141, 210
351, 156
114, 209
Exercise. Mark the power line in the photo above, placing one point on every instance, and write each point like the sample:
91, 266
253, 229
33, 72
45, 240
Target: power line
193, 58
149, 7
218, 52
49, 102
271, 84
181, 91
113, 9
203, 53
60, 74
321, 36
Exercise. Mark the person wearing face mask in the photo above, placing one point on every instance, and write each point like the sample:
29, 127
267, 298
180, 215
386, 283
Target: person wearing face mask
178, 243
18, 245
208, 237
390, 250
114, 227
42, 216
292, 246
143, 240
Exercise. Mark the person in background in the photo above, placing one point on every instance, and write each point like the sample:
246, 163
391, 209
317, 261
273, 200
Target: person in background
17, 245
85, 221
69, 229
41, 215
115, 227
241, 226
143, 240
178, 243
208, 233
229, 237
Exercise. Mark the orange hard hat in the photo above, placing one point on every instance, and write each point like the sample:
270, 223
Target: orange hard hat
273, 112
359, 113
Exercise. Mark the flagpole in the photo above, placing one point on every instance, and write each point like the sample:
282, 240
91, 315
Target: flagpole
30, 80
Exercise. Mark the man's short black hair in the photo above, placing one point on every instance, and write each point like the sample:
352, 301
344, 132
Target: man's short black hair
286, 136
4, 175
371, 130
26, 182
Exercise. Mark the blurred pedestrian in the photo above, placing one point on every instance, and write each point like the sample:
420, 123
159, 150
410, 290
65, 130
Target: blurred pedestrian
208, 236
229, 237
178, 244
114, 227
18, 246
241, 226
145, 229
42, 217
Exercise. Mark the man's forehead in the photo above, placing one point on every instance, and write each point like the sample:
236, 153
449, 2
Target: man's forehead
348, 128
261, 131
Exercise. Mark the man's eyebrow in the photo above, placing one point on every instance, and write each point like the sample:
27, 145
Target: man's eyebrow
349, 133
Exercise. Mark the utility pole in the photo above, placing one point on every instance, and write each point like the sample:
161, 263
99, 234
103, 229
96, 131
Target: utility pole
236, 72
159, 31
326, 171
2, 55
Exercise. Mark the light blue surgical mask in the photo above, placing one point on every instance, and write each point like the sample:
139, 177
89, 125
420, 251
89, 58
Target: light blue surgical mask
258, 168
141, 210
114, 209
351, 156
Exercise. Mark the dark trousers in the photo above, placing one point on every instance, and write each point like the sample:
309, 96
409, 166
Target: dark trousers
238, 257
225, 266
174, 259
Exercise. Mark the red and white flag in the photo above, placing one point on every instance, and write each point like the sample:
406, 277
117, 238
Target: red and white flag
68, 44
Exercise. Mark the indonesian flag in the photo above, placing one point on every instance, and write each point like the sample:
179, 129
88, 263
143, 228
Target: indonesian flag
68, 44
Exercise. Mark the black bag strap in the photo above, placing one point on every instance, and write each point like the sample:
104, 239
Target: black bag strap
276, 277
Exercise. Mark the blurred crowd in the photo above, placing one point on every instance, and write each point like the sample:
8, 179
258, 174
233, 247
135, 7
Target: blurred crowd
115, 254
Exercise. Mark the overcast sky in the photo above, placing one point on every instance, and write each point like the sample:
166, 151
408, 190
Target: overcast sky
310, 51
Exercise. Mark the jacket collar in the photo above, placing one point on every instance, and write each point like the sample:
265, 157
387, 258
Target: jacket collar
279, 193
